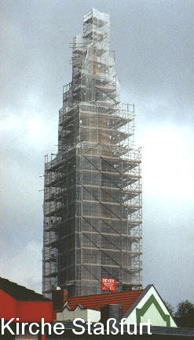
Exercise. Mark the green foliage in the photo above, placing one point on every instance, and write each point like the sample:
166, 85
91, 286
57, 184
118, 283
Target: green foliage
183, 308
185, 314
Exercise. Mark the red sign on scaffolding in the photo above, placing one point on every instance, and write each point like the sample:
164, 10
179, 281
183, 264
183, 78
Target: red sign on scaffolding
108, 283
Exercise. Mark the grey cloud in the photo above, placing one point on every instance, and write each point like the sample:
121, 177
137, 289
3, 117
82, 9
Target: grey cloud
154, 59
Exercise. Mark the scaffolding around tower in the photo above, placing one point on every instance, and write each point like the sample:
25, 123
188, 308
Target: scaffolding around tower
92, 196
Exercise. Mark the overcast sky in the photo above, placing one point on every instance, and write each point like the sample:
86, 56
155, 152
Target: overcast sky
154, 44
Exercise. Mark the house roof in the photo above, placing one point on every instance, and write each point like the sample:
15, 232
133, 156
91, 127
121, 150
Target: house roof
132, 307
20, 293
125, 298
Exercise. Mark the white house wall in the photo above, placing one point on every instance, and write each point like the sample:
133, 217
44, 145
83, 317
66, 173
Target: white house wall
152, 313
78, 312
154, 316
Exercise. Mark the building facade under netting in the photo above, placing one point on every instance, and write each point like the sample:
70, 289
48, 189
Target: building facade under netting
92, 195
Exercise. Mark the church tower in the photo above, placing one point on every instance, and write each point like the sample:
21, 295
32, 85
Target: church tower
92, 194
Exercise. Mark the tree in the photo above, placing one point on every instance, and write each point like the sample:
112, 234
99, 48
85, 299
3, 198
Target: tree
170, 308
185, 314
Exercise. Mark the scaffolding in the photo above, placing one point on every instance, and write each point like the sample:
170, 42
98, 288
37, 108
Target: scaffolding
92, 195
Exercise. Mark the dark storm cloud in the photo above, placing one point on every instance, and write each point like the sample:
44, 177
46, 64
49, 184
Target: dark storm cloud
154, 60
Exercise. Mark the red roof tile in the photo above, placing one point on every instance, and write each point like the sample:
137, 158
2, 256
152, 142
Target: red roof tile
125, 299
